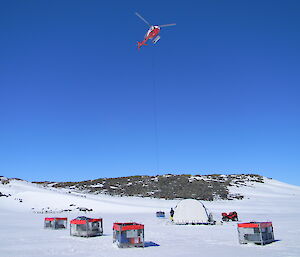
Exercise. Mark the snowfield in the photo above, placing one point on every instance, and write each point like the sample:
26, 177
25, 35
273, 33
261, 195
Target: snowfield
22, 218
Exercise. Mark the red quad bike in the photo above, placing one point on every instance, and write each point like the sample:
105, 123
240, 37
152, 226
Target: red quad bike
230, 216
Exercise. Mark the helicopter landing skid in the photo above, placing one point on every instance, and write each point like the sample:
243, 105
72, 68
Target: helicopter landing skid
154, 41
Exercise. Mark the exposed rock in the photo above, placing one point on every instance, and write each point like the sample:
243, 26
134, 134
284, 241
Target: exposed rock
201, 187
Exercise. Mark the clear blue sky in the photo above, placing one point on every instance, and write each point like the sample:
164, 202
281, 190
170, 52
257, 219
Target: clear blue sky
219, 93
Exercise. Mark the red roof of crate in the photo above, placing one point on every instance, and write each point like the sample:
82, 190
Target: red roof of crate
75, 221
52, 219
127, 226
255, 225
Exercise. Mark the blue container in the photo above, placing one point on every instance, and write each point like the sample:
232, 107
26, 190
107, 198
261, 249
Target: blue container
123, 238
160, 214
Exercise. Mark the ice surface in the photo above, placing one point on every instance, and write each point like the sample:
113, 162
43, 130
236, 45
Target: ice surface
22, 233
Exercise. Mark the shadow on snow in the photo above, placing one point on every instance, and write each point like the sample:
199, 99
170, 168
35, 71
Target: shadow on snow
150, 243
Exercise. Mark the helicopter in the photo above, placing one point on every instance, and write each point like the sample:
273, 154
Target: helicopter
152, 33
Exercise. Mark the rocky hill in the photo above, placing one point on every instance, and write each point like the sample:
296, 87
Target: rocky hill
201, 187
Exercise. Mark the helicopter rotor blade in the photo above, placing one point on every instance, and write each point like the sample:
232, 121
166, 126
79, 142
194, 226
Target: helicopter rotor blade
167, 25
140, 16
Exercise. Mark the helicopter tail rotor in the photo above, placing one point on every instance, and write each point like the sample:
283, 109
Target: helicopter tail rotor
143, 43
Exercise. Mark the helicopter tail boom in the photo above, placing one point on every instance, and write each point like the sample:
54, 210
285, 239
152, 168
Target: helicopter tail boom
143, 43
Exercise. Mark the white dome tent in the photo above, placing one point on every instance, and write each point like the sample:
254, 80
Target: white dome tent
190, 211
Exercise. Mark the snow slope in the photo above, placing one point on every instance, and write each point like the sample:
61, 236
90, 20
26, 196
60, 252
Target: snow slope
22, 233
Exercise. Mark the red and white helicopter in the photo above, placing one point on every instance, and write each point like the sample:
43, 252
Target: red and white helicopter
152, 32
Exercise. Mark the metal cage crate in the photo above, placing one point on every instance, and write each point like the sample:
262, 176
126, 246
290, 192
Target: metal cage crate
256, 232
55, 223
86, 227
128, 234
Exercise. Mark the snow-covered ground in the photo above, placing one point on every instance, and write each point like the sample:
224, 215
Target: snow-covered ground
22, 232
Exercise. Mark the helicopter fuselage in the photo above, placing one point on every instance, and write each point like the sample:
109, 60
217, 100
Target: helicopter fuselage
152, 32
